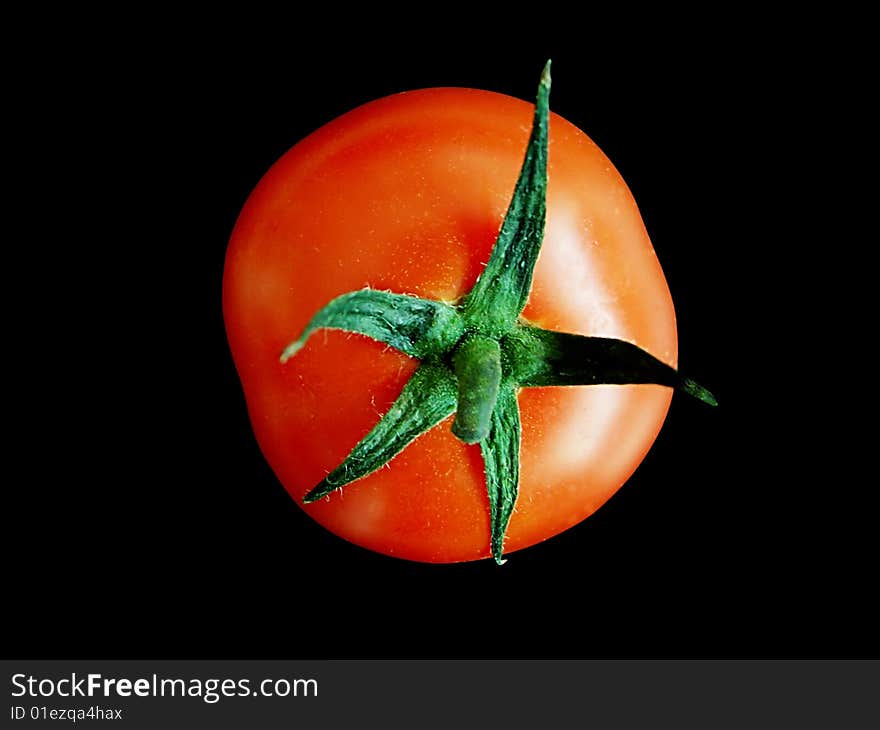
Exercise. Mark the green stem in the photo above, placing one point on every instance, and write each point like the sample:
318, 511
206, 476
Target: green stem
477, 363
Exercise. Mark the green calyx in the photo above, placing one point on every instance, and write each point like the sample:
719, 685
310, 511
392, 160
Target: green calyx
477, 354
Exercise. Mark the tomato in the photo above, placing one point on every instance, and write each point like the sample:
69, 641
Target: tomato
407, 194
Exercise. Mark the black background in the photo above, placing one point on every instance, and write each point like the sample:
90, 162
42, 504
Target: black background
145, 522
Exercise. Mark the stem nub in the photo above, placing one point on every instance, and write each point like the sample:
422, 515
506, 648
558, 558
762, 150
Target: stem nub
477, 363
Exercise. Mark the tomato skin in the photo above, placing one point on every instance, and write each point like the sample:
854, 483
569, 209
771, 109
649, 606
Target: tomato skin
407, 193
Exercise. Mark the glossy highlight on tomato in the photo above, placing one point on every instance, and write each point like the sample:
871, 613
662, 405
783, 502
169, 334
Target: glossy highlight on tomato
407, 194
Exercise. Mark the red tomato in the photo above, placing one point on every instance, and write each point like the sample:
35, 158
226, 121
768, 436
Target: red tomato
407, 194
